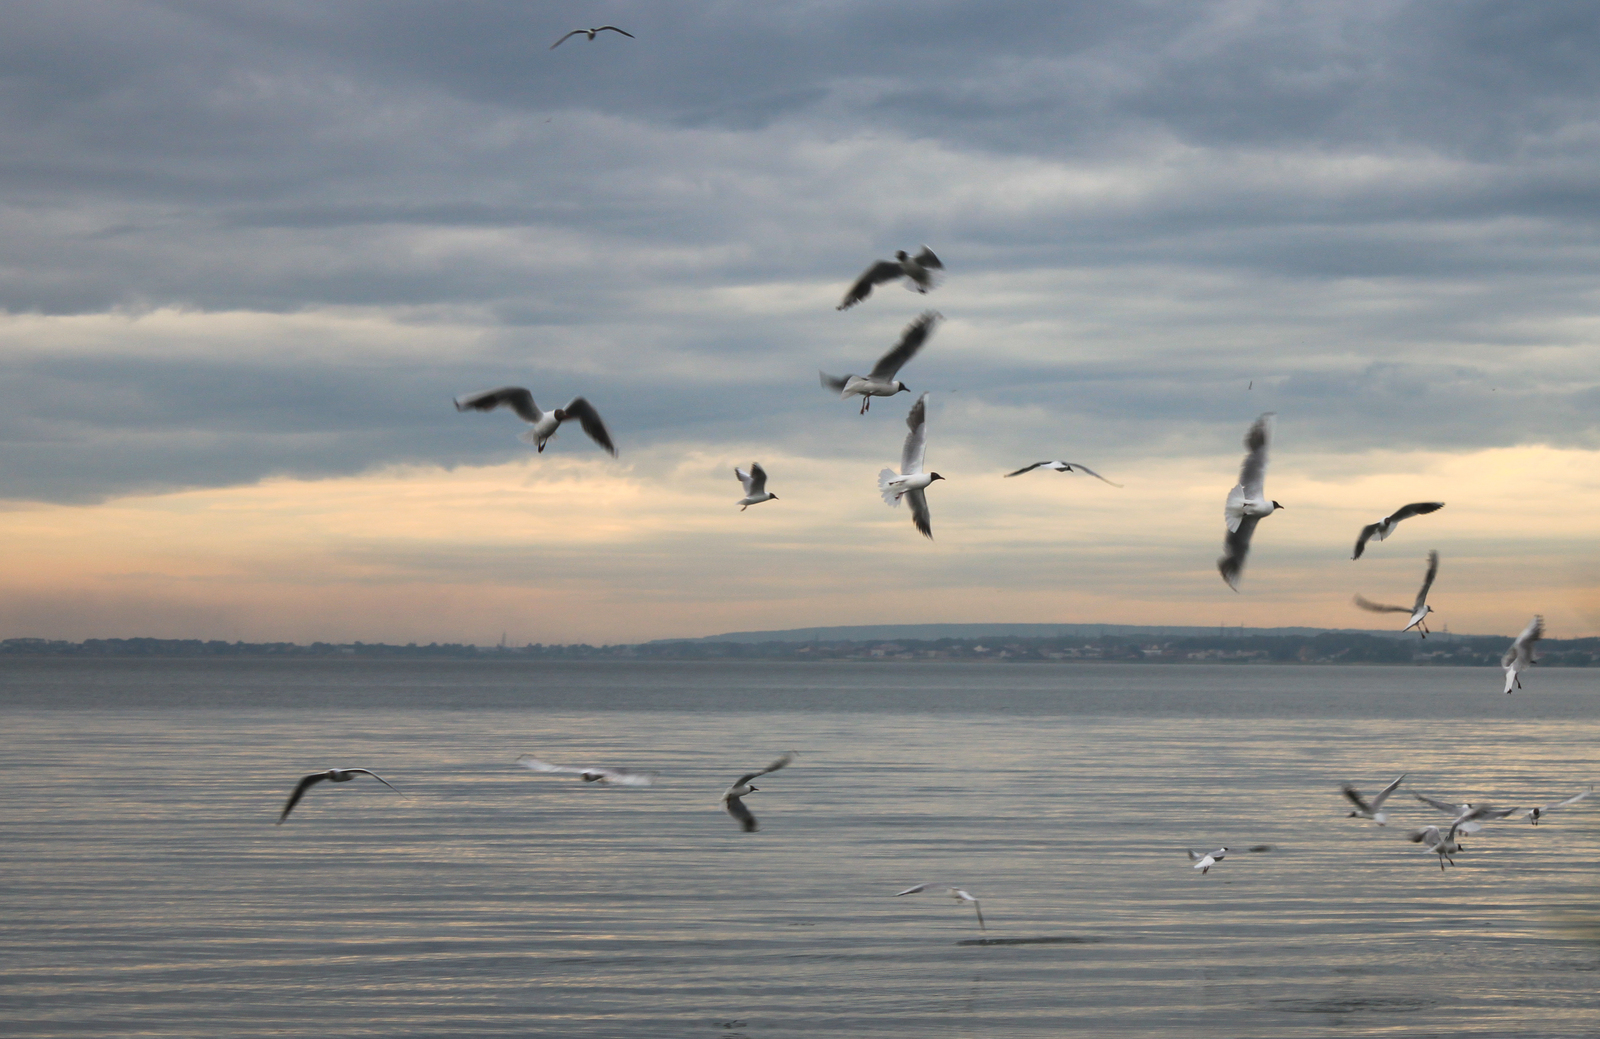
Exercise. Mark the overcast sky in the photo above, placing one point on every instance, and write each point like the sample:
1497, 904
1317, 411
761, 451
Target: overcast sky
251, 250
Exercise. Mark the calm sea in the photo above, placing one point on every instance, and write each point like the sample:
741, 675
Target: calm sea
147, 892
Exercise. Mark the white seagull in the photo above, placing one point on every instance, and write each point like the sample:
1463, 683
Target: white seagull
591, 34
1419, 609
1520, 656
1063, 467
1247, 502
755, 486
603, 776
1384, 527
881, 382
911, 481
919, 270
1442, 845
333, 775
959, 894
1370, 810
1533, 815
544, 423
1204, 862
1466, 816
733, 797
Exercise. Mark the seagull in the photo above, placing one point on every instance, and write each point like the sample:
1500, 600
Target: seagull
959, 894
604, 776
755, 486
1466, 816
1419, 609
1203, 863
1247, 502
1063, 467
544, 423
1533, 815
1384, 527
918, 269
1442, 845
1370, 810
911, 480
881, 382
1520, 656
590, 33
333, 775
733, 797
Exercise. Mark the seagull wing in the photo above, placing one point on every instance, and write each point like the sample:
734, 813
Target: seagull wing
1362, 539
300, 789
926, 259
1383, 795
745, 480
1354, 797
374, 775
613, 28
1574, 799
914, 890
916, 444
1428, 835
624, 777
735, 807
911, 340
1522, 647
758, 480
1427, 580
782, 762
589, 419
1235, 549
1080, 467
514, 397
1027, 469
919, 512
1253, 473
529, 761
877, 274
1443, 806
1378, 607
568, 36
835, 383
1416, 508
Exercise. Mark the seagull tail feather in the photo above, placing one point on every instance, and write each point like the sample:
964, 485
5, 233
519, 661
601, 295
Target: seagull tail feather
891, 496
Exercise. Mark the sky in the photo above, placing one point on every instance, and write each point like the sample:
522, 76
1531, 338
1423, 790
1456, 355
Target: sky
249, 252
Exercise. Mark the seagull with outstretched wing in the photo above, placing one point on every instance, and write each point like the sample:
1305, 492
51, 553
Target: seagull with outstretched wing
1063, 467
911, 482
603, 776
544, 423
755, 486
1370, 809
1247, 502
921, 272
333, 775
1533, 815
1419, 609
1384, 527
733, 797
881, 381
1519, 657
591, 34
960, 894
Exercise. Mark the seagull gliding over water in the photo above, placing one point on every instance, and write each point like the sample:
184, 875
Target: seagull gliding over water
881, 381
1374, 809
333, 775
1419, 609
603, 776
733, 797
1533, 815
959, 894
1247, 502
1384, 527
1203, 863
544, 423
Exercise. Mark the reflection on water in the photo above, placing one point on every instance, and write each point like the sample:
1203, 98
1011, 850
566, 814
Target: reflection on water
147, 890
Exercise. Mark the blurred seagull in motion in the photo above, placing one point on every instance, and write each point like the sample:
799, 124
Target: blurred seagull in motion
1419, 609
733, 797
544, 423
1203, 863
881, 381
333, 775
591, 34
1384, 527
911, 481
1370, 810
1247, 502
1466, 817
755, 486
1533, 815
957, 893
1520, 656
919, 271
1063, 467
603, 776
1442, 845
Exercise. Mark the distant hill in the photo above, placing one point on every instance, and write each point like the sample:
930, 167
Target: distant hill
931, 632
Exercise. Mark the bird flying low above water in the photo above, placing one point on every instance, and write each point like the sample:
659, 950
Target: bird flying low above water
733, 797
957, 893
1384, 527
1533, 815
755, 486
1441, 844
1419, 609
591, 34
920, 272
1374, 809
1063, 467
544, 423
1520, 656
911, 482
881, 382
1466, 817
333, 775
603, 776
1204, 862
1247, 502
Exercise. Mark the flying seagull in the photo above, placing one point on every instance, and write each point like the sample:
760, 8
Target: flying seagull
881, 382
1247, 502
1533, 815
333, 775
544, 423
912, 481
603, 776
1465, 817
1520, 656
1370, 810
755, 486
591, 34
959, 894
1419, 609
1063, 467
918, 270
1442, 845
1384, 527
733, 797
1203, 863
